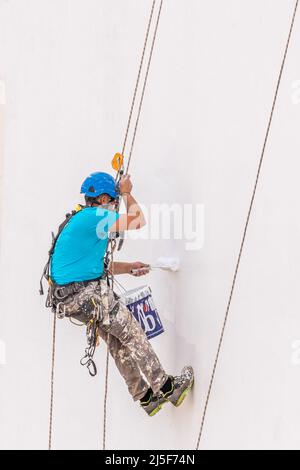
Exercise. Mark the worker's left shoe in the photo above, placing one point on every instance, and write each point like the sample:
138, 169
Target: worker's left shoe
154, 404
180, 386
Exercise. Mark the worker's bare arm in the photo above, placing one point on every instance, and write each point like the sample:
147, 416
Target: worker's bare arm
129, 268
134, 219
127, 222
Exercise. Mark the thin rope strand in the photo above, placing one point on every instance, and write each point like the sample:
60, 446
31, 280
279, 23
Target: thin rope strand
246, 228
145, 85
129, 160
139, 76
112, 249
106, 395
52, 383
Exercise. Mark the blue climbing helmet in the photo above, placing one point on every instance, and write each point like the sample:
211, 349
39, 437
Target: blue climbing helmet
99, 183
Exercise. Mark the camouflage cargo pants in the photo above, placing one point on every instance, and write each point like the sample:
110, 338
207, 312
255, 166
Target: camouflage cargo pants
128, 344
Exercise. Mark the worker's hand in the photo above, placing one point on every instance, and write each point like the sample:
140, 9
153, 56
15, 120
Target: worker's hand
139, 269
125, 185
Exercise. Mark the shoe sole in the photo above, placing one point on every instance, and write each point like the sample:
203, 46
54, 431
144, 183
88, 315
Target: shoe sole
154, 412
183, 395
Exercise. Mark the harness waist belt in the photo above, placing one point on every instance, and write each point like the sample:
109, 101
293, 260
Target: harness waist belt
61, 292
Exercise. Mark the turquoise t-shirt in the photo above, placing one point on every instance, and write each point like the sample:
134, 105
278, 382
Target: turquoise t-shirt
81, 247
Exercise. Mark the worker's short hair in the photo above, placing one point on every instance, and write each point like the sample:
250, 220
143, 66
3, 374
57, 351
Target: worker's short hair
93, 200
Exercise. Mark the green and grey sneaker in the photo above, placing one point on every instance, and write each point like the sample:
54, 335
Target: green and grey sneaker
154, 404
181, 385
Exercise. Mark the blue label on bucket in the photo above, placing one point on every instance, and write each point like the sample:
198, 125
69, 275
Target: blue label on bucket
145, 312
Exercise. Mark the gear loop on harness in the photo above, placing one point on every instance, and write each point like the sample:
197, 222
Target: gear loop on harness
88, 362
85, 359
92, 368
60, 293
60, 313
92, 337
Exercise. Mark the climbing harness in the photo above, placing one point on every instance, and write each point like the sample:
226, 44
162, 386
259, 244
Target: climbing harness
57, 296
46, 270
245, 232
93, 312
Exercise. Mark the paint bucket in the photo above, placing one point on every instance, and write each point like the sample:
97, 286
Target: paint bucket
140, 303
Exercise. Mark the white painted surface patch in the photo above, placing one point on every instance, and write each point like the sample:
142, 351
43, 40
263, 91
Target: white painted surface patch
2, 92
2, 353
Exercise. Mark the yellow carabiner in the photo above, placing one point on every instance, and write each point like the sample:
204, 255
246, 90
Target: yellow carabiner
117, 162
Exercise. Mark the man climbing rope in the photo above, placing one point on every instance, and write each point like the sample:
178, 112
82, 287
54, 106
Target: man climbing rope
80, 275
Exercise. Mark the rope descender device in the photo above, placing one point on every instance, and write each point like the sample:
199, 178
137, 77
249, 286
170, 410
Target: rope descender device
118, 162
118, 165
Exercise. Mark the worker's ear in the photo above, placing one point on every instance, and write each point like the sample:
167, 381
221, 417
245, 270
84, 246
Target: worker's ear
103, 199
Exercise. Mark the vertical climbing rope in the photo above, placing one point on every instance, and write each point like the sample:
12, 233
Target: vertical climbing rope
52, 382
111, 278
106, 395
123, 151
130, 156
245, 232
138, 77
145, 85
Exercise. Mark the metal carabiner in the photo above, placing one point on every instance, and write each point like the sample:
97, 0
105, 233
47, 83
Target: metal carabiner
60, 314
85, 360
92, 368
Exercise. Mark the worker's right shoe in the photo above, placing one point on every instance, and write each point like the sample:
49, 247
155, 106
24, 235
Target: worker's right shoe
154, 404
180, 387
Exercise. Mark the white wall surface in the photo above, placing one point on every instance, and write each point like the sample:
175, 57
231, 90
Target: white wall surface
69, 68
